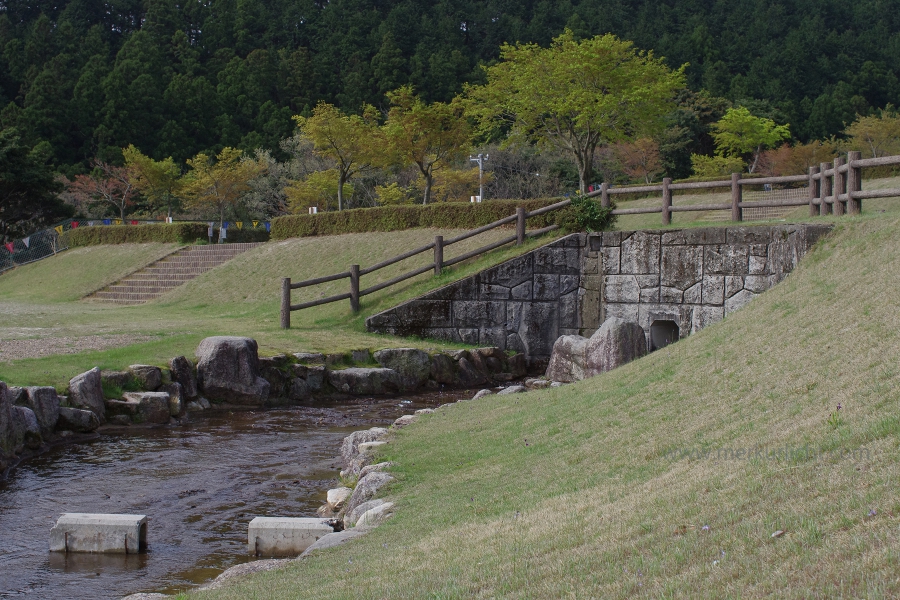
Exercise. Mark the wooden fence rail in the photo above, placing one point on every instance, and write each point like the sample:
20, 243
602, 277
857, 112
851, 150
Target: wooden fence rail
834, 188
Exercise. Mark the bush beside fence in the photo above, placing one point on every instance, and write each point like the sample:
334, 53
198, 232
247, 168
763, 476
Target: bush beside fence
445, 215
167, 233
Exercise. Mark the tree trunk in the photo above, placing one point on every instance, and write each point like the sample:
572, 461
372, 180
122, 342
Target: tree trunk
342, 177
755, 159
585, 172
122, 212
429, 178
221, 223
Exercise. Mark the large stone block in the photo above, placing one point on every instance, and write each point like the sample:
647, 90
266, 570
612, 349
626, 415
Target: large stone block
152, 407
476, 313
511, 273
76, 419
714, 289
694, 237
546, 287
364, 382
610, 260
738, 301
367, 487
44, 402
750, 235
567, 359
569, 316
539, 328
758, 283
115, 534
681, 266
411, 364
148, 376
29, 430
228, 371
726, 260
621, 288
86, 391
557, 260
705, 316
616, 343
413, 314
183, 373
640, 253
284, 536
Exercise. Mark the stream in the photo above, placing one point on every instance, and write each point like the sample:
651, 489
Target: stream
200, 483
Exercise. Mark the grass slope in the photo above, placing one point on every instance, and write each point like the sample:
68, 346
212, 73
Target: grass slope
241, 297
572, 493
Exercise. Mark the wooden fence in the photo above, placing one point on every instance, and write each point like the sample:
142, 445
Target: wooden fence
834, 188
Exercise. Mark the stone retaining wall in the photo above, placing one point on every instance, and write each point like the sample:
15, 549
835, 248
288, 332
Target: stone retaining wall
693, 277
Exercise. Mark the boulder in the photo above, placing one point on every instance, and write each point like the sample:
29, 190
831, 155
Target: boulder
29, 430
369, 448
482, 393
367, 487
10, 430
411, 364
513, 389
337, 497
375, 516
517, 365
279, 379
299, 390
350, 445
352, 516
382, 466
183, 373
468, 376
616, 343
86, 392
152, 407
537, 384
44, 403
76, 419
315, 378
176, 397
120, 420
335, 539
228, 371
403, 421
199, 404
119, 379
364, 382
567, 359
424, 411
443, 369
360, 356
18, 396
148, 376
310, 358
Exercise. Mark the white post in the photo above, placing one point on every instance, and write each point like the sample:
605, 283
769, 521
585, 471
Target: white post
480, 159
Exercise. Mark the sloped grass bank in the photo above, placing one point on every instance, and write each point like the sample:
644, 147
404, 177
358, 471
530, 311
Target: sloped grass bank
667, 477
241, 297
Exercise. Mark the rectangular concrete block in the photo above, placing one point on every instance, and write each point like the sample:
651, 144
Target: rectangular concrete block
284, 536
111, 534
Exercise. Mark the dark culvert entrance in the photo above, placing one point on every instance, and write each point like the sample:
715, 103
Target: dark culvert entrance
662, 333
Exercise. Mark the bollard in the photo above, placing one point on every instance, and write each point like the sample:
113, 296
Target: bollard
109, 534
285, 302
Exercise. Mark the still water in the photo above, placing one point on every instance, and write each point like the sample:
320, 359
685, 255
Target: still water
200, 483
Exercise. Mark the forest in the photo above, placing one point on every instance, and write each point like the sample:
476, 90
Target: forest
82, 80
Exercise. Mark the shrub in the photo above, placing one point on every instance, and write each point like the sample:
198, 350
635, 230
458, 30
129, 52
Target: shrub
183, 233
445, 215
586, 214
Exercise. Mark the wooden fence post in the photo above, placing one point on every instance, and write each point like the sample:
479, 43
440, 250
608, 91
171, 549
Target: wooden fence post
824, 190
737, 213
813, 191
854, 183
667, 201
285, 302
604, 195
438, 254
838, 188
520, 226
354, 288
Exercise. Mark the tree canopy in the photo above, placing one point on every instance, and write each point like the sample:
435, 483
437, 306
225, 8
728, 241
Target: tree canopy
576, 94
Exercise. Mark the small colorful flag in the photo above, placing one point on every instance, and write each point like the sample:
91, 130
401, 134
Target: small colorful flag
225, 225
27, 241
134, 222
118, 221
255, 224
74, 224
10, 246
268, 226
90, 223
240, 224
107, 221
58, 229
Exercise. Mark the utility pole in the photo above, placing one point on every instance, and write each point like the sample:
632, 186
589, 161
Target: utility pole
480, 159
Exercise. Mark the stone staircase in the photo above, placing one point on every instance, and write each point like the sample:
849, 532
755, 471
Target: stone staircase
167, 273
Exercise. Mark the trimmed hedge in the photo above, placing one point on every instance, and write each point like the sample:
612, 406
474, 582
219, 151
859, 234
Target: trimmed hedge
168, 233
445, 215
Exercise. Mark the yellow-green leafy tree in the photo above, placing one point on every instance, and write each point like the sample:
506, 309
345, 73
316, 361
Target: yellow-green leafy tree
740, 133
429, 136
575, 96
217, 184
157, 180
353, 142
876, 135
320, 189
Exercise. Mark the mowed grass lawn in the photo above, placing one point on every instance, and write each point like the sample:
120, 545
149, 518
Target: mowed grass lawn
242, 297
574, 492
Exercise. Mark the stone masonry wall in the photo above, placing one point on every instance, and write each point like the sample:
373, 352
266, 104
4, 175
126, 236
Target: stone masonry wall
693, 277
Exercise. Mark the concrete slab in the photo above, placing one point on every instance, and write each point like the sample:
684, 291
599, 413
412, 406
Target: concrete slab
284, 536
113, 534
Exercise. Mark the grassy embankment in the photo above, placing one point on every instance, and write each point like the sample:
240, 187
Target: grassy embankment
572, 493
242, 297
